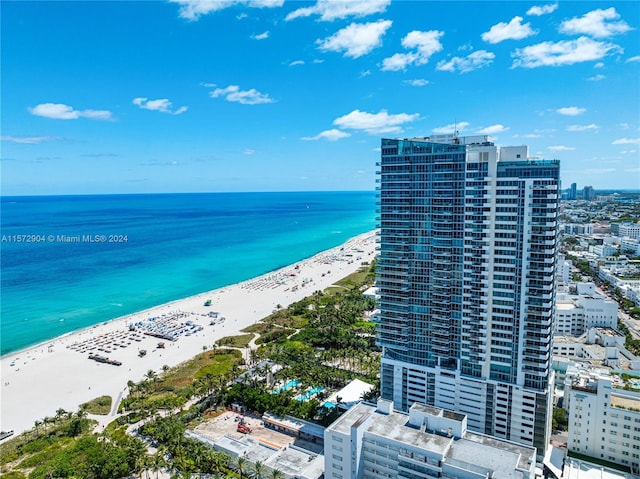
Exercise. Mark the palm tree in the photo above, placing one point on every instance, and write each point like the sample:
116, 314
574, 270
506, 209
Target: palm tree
151, 375
258, 468
45, 422
138, 457
59, 415
158, 462
37, 423
276, 474
240, 465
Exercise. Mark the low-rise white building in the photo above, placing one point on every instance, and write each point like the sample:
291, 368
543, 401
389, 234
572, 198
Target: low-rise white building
379, 442
629, 230
577, 313
604, 250
630, 246
604, 416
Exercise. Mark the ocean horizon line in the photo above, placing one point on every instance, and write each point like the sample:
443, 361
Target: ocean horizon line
57, 277
150, 193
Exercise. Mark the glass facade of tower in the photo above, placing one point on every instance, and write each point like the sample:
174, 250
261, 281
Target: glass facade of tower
466, 279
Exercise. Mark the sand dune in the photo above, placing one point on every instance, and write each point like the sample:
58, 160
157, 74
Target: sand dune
59, 374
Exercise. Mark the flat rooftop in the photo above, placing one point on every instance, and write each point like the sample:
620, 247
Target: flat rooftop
476, 452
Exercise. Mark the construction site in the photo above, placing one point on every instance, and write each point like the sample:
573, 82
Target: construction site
289, 445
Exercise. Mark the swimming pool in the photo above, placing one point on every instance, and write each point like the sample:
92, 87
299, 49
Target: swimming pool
290, 384
305, 396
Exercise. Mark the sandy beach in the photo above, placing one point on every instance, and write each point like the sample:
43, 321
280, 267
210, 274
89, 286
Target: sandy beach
59, 374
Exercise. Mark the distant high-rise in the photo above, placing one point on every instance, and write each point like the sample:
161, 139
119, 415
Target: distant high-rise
573, 191
466, 278
588, 193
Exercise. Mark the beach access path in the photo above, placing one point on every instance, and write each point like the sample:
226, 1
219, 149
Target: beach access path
37, 381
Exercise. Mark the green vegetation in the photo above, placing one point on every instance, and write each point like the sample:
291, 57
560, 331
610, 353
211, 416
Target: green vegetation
188, 455
198, 376
100, 406
560, 421
240, 341
632, 344
44, 447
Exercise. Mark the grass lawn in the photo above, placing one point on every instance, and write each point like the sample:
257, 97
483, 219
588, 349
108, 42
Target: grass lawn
356, 278
218, 362
100, 405
240, 341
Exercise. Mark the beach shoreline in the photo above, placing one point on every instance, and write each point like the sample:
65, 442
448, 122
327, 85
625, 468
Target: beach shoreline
57, 373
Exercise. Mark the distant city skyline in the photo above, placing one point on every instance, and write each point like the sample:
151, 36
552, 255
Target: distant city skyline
268, 95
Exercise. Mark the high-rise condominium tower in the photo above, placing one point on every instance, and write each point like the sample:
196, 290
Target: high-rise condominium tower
466, 277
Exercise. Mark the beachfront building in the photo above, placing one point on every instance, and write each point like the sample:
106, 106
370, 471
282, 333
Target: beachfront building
466, 279
378, 442
604, 415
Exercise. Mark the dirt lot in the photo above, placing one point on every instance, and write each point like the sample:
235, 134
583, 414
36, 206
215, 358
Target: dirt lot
227, 424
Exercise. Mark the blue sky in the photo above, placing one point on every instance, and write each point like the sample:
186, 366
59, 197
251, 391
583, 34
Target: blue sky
268, 95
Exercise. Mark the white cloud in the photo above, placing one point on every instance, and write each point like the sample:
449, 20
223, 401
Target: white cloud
375, 123
424, 44
566, 52
451, 128
249, 151
595, 23
633, 59
561, 148
246, 97
193, 9
330, 135
493, 129
364, 73
417, 82
571, 110
162, 104
356, 39
590, 127
596, 78
330, 10
514, 30
398, 61
473, 61
28, 140
542, 9
59, 111
261, 36
626, 141
296, 62
598, 65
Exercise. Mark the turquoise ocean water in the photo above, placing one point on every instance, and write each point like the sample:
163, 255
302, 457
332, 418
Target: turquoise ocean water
65, 274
